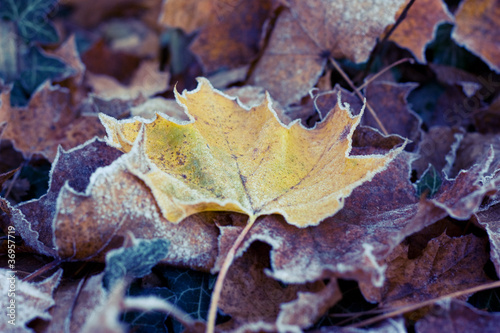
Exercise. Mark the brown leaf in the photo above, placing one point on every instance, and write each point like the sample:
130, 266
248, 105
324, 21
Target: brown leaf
88, 13
249, 295
487, 120
31, 300
438, 147
48, 121
419, 26
307, 33
191, 15
232, 39
146, 82
68, 54
472, 148
116, 202
390, 103
73, 167
490, 220
477, 23
352, 243
462, 196
446, 265
455, 316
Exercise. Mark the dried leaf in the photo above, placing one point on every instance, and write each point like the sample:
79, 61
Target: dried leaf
48, 121
73, 167
451, 315
232, 39
352, 243
191, 15
230, 158
146, 82
490, 220
75, 302
446, 265
307, 31
475, 28
29, 300
429, 183
249, 295
106, 209
391, 104
419, 26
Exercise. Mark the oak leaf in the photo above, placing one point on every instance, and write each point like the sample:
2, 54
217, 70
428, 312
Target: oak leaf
233, 159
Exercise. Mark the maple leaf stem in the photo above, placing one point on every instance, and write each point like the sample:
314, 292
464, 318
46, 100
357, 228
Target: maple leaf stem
417, 306
212, 312
356, 91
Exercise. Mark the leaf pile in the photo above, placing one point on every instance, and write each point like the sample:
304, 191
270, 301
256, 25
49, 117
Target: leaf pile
142, 140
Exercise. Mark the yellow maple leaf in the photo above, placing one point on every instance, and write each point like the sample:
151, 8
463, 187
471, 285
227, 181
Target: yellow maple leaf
227, 157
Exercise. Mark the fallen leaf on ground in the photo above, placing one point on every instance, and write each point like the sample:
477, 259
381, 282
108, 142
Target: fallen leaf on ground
106, 209
232, 40
249, 295
490, 220
191, 15
234, 159
73, 167
48, 121
308, 33
446, 265
476, 23
451, 315
32, 300
420, 25
146, 82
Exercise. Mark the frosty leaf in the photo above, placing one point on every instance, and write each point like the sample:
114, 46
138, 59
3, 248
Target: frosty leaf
31, 300
74, 168
311, 29
452, 315
232, 40
446, 265
147, 81
106, 209
50, 119
134, 261
420, 25
191, 291
429, 183
233, 159
265, 299
475, 28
